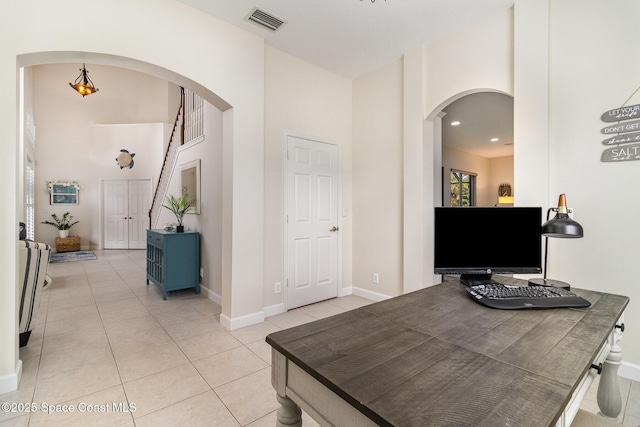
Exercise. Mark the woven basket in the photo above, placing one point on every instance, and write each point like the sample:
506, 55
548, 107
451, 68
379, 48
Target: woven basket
67, 244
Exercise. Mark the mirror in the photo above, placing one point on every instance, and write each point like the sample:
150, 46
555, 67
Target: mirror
190, 182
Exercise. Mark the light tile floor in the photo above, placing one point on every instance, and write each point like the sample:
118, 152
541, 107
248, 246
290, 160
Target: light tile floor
109, 347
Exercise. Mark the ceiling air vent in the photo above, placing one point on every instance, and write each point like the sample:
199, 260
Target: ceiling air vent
262, 18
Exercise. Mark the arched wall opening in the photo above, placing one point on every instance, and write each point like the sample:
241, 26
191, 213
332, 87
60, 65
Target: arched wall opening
433, 176
223, 59
58, 57
41, 58
484, 114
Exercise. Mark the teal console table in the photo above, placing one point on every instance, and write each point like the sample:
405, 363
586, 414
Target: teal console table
173, 260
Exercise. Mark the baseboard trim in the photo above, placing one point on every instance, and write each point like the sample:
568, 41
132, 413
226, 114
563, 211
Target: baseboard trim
629, 371
217, 298
373, 296
343, 292
272, 310
234, 323
10, 382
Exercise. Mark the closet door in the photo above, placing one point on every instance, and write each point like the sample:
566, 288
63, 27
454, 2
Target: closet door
312, 221
126, 213
139, 205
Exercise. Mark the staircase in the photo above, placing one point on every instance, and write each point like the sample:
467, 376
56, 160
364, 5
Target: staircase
188, 126
177, 135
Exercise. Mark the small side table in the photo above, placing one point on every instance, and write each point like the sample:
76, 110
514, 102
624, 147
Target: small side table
67, 244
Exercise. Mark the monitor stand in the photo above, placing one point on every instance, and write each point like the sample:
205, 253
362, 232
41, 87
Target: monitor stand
475, 279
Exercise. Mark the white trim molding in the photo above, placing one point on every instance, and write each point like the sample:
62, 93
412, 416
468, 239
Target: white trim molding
629, 371
272, 310
10, 382
217, 298
231, 324
373, 296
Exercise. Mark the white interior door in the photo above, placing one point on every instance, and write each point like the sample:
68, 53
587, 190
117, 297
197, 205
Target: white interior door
312, 221
139, 205
126, 206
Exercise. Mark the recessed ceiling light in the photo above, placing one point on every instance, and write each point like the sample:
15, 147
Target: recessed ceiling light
456, 123
495, 139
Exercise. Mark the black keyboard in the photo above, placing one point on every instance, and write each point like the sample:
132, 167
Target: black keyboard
497, 295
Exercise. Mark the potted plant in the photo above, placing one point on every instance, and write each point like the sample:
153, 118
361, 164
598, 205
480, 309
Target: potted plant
179, 206
62, 224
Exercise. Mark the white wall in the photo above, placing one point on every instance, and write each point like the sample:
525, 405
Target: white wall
176, 42
556, 83
480, 57
377, 179
560, 93
78, 139
306, 100
592, 71
500, 171
491, 172
209, 222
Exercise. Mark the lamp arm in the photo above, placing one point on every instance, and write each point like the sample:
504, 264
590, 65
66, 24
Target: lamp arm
546, 245
546, 251
549, 212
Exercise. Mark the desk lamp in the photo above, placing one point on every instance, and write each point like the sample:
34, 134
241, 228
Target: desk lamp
560, 226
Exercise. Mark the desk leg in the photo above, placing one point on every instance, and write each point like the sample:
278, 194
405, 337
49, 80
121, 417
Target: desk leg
289, 414
609, 399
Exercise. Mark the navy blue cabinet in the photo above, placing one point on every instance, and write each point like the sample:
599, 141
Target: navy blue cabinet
173, 260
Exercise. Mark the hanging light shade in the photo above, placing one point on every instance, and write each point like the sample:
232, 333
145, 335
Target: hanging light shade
83, 84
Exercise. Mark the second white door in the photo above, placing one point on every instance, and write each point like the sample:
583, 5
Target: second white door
126, 204
312, 221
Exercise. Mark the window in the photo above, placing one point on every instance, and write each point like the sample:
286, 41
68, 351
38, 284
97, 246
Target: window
463, 188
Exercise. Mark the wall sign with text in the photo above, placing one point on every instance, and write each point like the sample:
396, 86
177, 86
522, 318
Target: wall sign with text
623, 136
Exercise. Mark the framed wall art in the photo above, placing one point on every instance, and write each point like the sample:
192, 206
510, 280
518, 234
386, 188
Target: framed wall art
190, 182
63, 192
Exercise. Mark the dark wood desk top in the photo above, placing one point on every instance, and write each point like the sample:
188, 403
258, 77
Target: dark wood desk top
435, 357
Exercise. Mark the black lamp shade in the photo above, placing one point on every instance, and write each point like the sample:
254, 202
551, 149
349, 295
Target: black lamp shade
562, 226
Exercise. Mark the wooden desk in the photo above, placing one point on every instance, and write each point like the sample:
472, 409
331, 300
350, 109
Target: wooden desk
434, 357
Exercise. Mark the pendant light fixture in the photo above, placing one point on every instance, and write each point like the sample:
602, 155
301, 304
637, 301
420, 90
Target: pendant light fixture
83, 84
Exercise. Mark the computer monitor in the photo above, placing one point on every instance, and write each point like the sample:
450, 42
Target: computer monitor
477, 242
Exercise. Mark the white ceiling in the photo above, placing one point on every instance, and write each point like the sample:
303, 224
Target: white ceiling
482, 116
354, 37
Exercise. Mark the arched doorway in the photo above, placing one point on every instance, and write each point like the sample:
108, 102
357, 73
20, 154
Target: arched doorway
432, 175
477, 149
26, 61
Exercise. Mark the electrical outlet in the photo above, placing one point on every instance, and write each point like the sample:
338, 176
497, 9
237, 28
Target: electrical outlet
278, 287
376, 278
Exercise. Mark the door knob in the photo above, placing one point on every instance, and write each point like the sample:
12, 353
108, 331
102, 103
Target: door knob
334, 229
